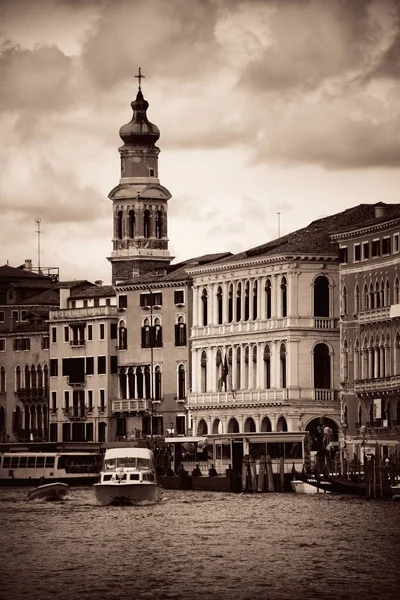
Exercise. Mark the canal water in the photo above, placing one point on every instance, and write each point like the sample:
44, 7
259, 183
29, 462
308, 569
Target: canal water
199, 545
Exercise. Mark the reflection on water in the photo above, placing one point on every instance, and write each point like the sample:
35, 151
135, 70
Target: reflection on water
199, 545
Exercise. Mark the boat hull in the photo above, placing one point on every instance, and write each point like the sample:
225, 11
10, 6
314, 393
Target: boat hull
302, 487
108, 493
49, 491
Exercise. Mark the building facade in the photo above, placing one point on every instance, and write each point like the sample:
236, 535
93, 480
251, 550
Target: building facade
84, 342
370, 324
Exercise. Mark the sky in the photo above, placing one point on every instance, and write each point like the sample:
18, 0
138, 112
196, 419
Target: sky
272, 113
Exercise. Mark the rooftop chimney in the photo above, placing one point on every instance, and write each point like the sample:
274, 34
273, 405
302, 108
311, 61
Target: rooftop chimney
380, 210
28, 264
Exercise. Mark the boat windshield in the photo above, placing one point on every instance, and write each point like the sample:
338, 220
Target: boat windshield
127, 461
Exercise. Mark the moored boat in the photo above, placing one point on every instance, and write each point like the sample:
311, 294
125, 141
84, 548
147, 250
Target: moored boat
128, 477
305, 483
49, 491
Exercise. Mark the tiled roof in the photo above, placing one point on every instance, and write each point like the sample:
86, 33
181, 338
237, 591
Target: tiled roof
73, 283
7, 271
176, 272
97, 291
48, 297
315, 237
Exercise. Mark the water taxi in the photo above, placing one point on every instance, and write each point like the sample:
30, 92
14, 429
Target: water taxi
49, 491
29, 468
128, 477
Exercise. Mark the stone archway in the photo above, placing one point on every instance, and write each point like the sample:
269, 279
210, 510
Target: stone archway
320, 437
202, 428
217, 426
233, 426
281, 424
266, 424
250, 426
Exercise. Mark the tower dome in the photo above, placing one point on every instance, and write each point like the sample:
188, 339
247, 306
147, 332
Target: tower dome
139, 131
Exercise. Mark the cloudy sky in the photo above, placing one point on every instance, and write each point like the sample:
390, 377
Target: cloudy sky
264, 107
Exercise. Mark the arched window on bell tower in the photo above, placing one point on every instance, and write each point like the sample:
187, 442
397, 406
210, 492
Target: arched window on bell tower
120, 229
159, 224
146, 224
132, 224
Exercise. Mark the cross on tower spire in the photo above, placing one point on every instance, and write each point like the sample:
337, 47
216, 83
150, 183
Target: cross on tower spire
140, 77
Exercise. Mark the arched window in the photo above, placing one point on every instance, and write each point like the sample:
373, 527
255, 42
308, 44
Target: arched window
247, 301
238, 302
158, 341
159, 217
230, 304
203, 365
345, 359
250, 426
282, 357
267, 363
365, 297
2, 420
181, 382
46, 376
322, 367
268, 299
233, 426
255, 299
146, 334
33, 376
246, 368
202, 428
146, 224
253, 383
371, 296
284, 296
148, 383
321, 297
120, 225
377, 296
122, 337
39, 376
356, 299
17, 378
360, 415
387, 293
180, 332
238, 369
157, 383
132, 224
27, 377
266, 424
219, 305
122, 383
2, 379
139, 382
16, 425
204, 300
382, 293
396, 291
281, 424
131, 382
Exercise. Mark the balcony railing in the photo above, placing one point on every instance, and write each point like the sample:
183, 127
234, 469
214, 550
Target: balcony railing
139, 405
89, 312
320, 323
374, 314
377, 385
76, 343
74, 413
272, 396
33, 393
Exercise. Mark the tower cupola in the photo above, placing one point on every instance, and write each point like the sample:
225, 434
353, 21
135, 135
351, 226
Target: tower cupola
139, 131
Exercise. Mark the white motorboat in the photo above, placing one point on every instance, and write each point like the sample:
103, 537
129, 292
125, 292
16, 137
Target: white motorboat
396, 492
302, 487
49, 491
128, 477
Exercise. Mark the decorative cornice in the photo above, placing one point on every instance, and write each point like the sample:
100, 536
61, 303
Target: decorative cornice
365, 230
122, 287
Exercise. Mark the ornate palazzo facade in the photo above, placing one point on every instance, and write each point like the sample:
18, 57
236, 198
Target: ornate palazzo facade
265, 344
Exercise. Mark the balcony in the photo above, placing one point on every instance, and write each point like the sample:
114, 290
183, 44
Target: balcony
374, 314
140, 405
74, 413
77, 343
273, 397
319, 323
71, 314
33, 393
382, 384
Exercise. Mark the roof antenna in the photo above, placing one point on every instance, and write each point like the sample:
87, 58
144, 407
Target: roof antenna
37, 221
279, 224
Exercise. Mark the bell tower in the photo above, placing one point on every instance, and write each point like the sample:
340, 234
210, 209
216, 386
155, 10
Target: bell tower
140, 240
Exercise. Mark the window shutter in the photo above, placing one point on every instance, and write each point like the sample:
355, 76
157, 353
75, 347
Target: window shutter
143, 337
65, 366
177, 334
113, 331
113, 364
